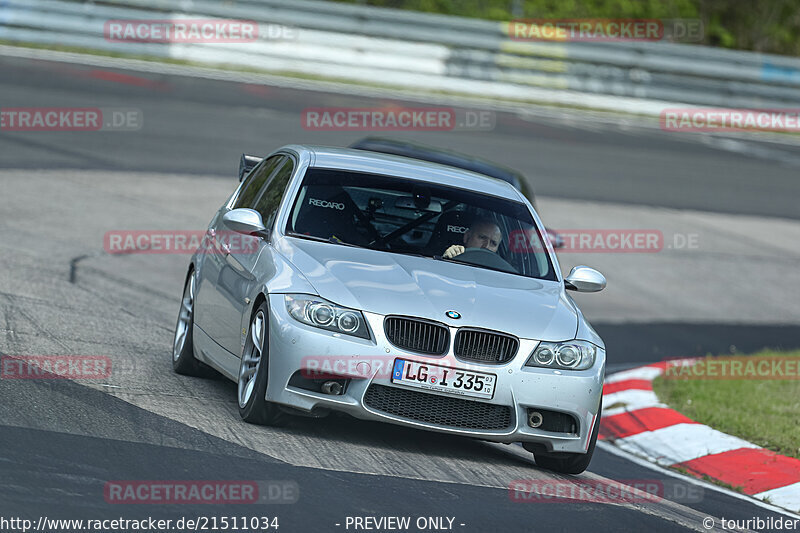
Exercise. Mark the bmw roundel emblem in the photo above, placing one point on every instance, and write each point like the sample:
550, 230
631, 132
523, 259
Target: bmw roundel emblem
455, 315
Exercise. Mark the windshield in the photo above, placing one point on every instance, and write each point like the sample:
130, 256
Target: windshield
404, 216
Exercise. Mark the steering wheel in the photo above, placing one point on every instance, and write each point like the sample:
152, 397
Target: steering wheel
487, 258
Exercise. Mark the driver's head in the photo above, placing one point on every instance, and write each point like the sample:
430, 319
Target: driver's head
483, 234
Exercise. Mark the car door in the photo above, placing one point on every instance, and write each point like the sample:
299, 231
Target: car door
246, 258
211, 310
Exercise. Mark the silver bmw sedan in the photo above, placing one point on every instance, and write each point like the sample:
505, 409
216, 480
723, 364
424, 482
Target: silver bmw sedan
394, 290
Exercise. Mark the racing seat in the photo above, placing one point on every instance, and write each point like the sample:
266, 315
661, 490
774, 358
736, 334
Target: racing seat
449, 230
328, 211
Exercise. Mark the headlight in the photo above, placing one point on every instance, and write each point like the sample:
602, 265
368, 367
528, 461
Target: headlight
571, 355
315, 311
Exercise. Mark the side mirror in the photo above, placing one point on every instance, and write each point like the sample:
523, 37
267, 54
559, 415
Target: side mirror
247, 221
248, 163
585, 279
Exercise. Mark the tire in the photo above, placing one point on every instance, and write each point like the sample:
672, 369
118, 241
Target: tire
253, 373
571, 463
183, 360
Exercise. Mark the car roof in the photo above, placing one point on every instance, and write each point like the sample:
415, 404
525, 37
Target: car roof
439, 155
405, 167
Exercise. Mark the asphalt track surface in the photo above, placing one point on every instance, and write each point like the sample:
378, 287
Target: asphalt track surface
61, 441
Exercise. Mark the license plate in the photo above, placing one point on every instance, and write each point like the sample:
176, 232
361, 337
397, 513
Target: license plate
455, 381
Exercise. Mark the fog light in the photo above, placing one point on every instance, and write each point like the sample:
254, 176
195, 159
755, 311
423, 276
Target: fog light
535, 419
332, 387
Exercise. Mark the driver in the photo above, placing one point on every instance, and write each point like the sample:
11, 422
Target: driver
484, 233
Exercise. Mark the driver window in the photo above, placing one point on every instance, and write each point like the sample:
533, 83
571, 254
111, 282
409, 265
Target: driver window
255, 182
270, 198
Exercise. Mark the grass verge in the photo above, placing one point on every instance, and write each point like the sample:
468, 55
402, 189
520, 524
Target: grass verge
764, 412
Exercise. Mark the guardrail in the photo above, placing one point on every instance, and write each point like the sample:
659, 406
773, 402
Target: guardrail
428, 52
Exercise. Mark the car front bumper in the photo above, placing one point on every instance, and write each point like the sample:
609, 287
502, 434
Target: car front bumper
294, 346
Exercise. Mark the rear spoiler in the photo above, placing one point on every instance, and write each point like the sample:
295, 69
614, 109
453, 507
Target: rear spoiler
248, 163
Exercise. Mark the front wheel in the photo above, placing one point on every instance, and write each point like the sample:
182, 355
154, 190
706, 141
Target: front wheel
571, 463
253, 373
183, 361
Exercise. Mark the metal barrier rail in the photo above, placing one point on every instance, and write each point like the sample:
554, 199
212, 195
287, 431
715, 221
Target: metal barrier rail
426, 51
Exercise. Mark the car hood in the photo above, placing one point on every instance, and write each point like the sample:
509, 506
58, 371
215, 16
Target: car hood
394, 284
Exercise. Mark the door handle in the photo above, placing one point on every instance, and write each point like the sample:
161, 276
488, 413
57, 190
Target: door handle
216, 243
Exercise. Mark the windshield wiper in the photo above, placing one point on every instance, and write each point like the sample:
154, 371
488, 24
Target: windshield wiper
329, 240
477, 265
402, 252
332, 240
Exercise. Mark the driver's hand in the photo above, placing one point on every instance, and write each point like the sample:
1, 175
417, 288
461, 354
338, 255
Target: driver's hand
453, 251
